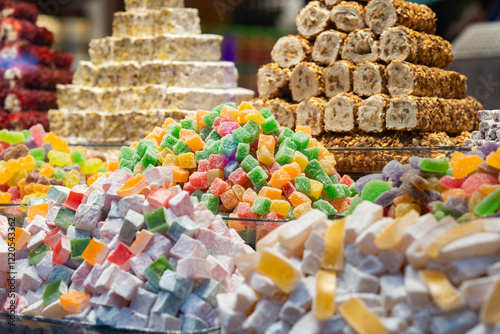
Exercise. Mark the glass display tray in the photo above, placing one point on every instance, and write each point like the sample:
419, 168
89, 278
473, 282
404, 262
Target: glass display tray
359, 161
37, 325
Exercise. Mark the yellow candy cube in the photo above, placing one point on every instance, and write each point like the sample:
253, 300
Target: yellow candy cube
359, 317
302, 209
265, 156
316, 189
213, 174
443, 292
239, 191
245, 106
277, 267
490, 312
280, 207
327, 166
324, 300
301, 159
256, 117
333, 257
170, 160
187, 160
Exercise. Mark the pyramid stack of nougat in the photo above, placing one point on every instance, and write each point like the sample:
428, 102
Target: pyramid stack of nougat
156, 65
361, 74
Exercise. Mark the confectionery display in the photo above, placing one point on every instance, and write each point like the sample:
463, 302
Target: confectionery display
361, 73
33, 161
489, 123
156, 65
29, 69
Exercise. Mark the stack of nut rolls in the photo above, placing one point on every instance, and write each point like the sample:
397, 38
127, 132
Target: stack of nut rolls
368, 74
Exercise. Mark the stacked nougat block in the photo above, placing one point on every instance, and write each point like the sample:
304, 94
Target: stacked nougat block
156, 65
359, 68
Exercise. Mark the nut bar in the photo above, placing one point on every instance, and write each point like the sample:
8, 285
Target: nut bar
131, 5
313, 19
371, 113
24, 99
19, 10
76, 127
93, 127
273, 81
401, 43
12, 29
311, 113
408, 79
156, 22
432, 114
187, 47
36, 77
151, 97
383, 14
370, 79
284, 112
341, 112
127, 48
20, 51
58, 124
114, 127
127, 74
101, 50
327, 47
360, 46
348, 16
306, 81
338, 78
290, 50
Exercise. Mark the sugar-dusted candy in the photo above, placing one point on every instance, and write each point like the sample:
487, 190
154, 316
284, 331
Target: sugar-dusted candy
132, 223
181, 204
229, 199
95, 252
182, 225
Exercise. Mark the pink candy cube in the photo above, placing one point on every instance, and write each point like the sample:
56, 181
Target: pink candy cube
181, 204
160, 197
203, 166
199, 180
218, 187
273, 168
217, 161
244, 211
227, 128
188, 247
288, 189
189, 187
62, 251
239, 176
194, 268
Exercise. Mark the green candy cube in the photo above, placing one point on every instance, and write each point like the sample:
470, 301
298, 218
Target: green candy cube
204, 132
334, 178
174, 130
213, 147
39, 154
78, 247
249, 163
59, 173
137, 158
201, 155
257, 175
261, 206
157, 221
65, 218
290, 215
211, 202
488, 205
181, 147
241, 135
434, 165
156, 269
26, 134
311, 153
271, 126
168, 141
228, 145
325, 207
209, 118
336, 191
213, 135
285, 133
242, 151
126, 153
190, 124
301, 140
54, 291
303, 184
253, 129
125, 163
79, 156
102, 169
39, 163
37, 254
150, 157
352, 190
314, 168
258, 187
198, 194
374, 189
288, 142
324, 179
266, 113
285, 156
143, 145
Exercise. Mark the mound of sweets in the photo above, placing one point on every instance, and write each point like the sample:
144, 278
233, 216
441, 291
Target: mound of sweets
240, 161
368, 274
465, 187
32, 161
107, 255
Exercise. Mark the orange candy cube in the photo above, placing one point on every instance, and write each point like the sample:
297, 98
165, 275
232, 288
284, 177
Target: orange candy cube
21, 238
229, 199
157, 134
267, 142
304, 129
453, 192
96, 252
112, 166
195, 143
199, 118
75, 301
133, 186
271, 193
167, 122
47, 170
141, 242
38, 210
180, 175
230, 113
249, 196
5, 197
297, 198
186, 133
279, 178
293, 170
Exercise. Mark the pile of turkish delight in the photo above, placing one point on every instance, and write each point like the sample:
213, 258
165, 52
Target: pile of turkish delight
29, 68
